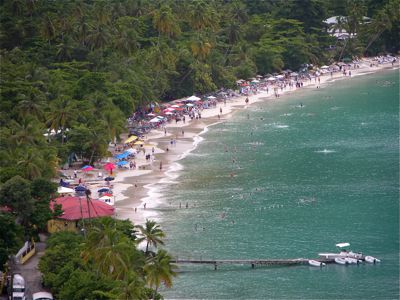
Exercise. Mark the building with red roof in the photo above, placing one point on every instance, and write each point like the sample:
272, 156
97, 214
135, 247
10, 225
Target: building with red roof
75, 209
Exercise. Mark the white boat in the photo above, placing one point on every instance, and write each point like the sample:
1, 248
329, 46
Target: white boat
351, 261
340, 261
343, 252
316, 263
371, 259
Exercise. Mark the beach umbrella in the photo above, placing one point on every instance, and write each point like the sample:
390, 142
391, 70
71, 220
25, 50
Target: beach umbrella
175, 106
155, 120
109, 178
107, 194
294, 74
325, 67
169, 113
109, 166
103, 190
193, 98
139, 143
130, 139
280, 76
87, 168
131, 151
122, 162
255, 81
211, 97
271, 78
190, 104
151, 115
80, 188
64, 190
122, 155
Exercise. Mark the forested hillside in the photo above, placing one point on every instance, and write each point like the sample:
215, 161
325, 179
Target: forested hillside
83, 66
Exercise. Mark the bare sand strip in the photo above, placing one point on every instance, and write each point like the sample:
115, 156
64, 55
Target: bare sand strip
136, 191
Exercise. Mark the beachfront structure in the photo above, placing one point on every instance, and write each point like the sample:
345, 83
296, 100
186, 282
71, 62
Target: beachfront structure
337, 24
75, 209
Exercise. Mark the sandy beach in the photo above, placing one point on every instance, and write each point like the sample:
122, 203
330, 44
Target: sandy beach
135, 191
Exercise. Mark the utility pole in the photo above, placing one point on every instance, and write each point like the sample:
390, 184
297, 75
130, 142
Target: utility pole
83, 220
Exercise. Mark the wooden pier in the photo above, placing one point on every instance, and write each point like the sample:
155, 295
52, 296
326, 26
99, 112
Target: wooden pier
252, 262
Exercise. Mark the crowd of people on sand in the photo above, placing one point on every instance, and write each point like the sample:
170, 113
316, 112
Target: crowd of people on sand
156, 116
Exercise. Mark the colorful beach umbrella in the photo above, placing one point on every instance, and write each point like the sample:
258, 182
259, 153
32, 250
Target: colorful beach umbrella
87, 168
80, 188
122, 162
109, 167
130, 139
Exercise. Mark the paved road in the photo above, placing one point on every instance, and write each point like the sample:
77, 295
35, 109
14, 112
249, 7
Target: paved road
30, 271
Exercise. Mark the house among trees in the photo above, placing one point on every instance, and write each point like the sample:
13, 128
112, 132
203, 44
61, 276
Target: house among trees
75, 209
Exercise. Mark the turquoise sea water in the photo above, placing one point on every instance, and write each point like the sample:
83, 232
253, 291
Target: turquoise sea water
305, 178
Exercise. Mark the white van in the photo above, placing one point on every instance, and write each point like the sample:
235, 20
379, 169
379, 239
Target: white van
42, 296
18, 287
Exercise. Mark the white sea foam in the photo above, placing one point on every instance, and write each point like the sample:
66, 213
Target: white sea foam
281, 126
325, 151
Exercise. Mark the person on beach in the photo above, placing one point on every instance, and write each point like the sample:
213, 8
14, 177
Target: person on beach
144, 205
75, 174
165, 131
220, 110
247, 100
183, 132
219, 117
160, 165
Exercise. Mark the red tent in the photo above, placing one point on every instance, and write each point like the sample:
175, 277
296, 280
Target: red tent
76, 208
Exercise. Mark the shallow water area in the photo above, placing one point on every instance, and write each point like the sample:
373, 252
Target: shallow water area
284, 180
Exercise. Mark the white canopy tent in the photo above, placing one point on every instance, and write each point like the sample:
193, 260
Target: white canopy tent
193, 98
64, 190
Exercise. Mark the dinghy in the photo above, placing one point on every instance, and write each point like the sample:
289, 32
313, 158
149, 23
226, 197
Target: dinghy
316, 263
371, 259
351, 261
340, 261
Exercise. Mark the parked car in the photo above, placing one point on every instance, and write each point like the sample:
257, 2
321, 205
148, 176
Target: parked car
18, 287
42, 296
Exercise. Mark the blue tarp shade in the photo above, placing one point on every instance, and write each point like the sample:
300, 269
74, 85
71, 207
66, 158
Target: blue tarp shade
122, 155
102, 190
122, 162
109, 178
80, 188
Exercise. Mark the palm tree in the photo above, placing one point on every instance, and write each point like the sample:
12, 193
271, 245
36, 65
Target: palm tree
151, 233
159, 269
132, 287
165, 22
115, 124
62, 113
48, 30
111, 251
26, 132
31, 164
31, 103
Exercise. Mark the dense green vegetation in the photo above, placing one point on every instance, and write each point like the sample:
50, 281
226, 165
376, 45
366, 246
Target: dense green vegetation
105, 264
72, 71
80, 67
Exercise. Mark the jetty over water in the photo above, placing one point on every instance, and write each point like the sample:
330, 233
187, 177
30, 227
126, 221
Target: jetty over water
252, 262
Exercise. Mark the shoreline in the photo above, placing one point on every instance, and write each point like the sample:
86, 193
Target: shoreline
137, 192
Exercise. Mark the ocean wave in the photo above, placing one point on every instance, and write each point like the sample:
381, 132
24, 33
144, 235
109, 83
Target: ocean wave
326, 151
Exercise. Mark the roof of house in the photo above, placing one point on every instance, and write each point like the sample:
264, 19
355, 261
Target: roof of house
75, 208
